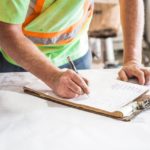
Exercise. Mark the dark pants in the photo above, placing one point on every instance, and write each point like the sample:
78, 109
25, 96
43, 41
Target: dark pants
81, 63
5, 66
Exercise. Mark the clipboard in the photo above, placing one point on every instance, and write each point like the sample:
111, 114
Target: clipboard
109, 96
125, 113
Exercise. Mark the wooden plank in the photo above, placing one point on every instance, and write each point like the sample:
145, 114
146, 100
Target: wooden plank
106, 20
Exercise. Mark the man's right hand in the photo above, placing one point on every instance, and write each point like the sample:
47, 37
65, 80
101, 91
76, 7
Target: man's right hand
24, 52
69, 84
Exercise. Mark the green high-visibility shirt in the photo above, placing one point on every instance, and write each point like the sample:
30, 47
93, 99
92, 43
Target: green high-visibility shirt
55, 16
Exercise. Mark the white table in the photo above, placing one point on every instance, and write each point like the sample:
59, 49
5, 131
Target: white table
30, 123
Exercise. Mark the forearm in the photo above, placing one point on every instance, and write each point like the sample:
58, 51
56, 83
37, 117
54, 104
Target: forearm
132, 16
27, 55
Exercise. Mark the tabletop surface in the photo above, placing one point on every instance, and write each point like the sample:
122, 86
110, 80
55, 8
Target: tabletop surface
30, 123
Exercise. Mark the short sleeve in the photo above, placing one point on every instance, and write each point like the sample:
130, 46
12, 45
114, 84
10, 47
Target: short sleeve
13, 11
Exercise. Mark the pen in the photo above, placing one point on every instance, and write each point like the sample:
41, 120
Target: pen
72, 66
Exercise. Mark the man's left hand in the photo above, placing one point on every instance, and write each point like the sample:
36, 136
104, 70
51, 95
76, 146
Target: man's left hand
136, 70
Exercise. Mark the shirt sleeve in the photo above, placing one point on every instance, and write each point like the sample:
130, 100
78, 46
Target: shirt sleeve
13, 11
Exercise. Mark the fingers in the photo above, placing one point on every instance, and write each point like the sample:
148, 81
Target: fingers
86, 80
140, 75
70, 94
147, 75
74, 87
81, 83
69, 84
67, 93
122, 75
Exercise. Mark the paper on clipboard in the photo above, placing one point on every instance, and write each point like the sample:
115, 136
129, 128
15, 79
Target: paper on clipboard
106, 93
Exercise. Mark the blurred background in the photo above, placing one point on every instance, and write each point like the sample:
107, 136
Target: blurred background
105, 35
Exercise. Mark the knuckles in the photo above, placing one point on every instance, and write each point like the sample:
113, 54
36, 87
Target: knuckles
61, 89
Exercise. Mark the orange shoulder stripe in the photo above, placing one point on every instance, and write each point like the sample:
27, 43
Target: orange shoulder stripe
37, 10
55, 34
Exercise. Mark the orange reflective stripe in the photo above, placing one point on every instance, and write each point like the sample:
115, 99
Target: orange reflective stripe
63, 42
55, 34
37, 10
39, 6
71, 39
50, 35
65, 38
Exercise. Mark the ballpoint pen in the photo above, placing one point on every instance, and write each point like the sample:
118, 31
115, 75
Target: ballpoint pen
72, 64
73, 67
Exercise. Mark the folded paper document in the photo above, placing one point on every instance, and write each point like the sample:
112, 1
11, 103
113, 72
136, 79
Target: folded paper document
109, 96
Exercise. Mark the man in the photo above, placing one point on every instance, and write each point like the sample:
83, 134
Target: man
30, 30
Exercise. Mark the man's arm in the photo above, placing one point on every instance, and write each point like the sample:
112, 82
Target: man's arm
66, 84
132, 16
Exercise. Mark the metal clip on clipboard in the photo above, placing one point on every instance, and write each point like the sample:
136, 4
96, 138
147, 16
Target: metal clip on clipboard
144, 104
134, 108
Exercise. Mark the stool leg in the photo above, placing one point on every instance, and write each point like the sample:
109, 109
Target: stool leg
95, 47
107, 48
108, 53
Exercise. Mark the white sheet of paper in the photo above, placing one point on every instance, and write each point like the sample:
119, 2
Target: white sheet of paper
110, 94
